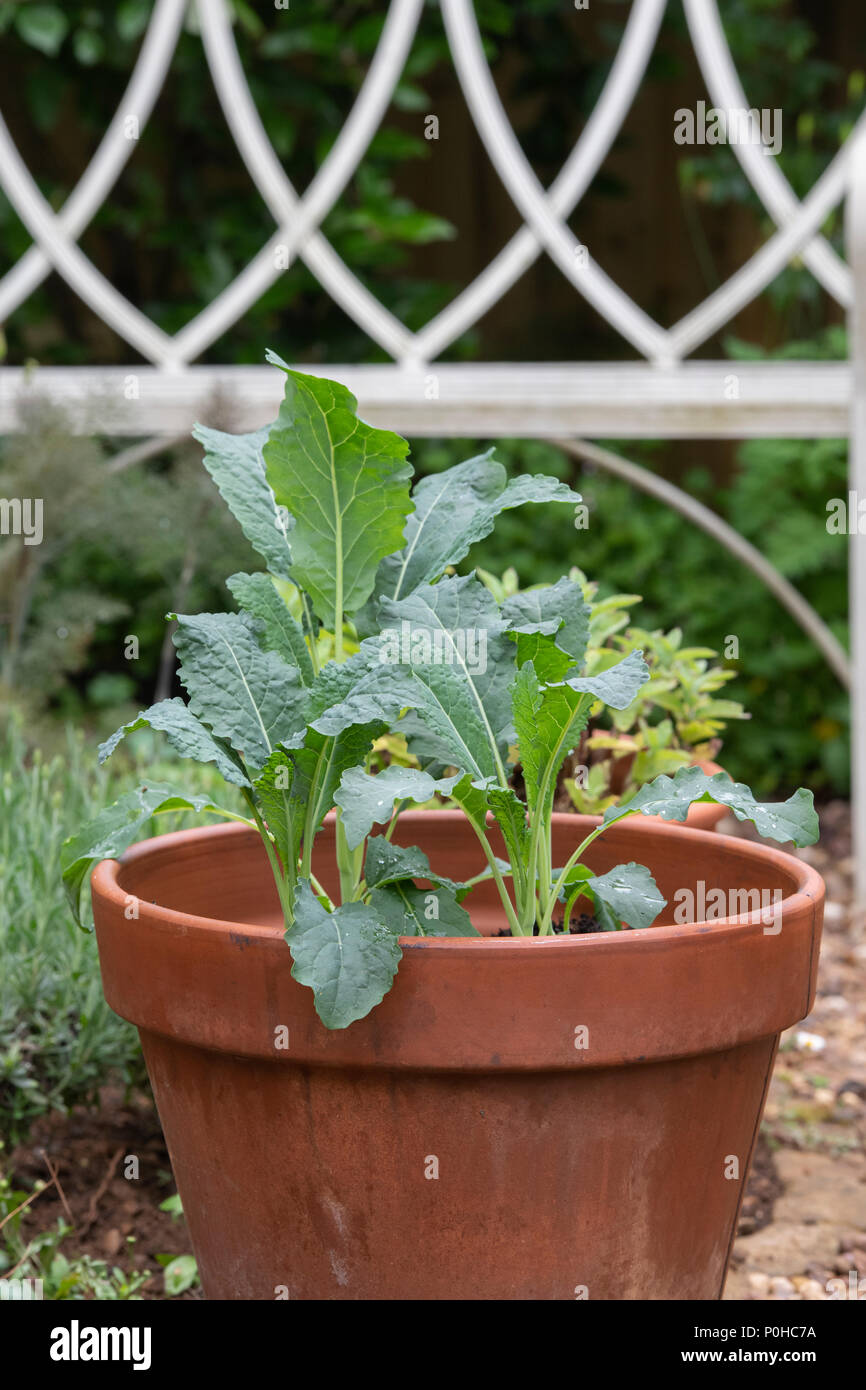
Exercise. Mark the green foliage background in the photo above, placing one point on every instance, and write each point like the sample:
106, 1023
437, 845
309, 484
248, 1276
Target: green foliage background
798, 730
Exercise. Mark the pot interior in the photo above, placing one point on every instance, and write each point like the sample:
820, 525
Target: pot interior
703, 876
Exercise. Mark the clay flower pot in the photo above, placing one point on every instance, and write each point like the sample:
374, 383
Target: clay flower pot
519, 1119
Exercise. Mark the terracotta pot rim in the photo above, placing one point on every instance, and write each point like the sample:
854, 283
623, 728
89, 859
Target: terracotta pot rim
467, 1005
810, 889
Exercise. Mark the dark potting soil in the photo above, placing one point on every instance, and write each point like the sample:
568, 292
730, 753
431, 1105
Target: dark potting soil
579, 926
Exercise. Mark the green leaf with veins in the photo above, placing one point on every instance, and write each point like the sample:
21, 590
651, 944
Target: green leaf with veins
322, 761
116, 828
627, 893
444, 655
390, 871
453, 510
510, 813
277, 630
671, 797
250, 697
366, 800
185, 733
558, 611
548, 720
335, 682
444, 504
386, 863
473, 800
551, 663
618, 685
236, 464
298, 784
321, 758
283, 809
348, 957
346, 485
407, 910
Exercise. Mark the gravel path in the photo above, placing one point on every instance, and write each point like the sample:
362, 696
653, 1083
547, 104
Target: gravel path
808, 1240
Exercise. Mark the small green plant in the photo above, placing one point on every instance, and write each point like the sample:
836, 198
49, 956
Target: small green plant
470, 683
179, 1273
532, 703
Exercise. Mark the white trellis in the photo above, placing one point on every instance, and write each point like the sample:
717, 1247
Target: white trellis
661, 396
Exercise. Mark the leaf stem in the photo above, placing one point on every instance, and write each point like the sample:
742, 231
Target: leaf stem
320, 892
558, 885
314, 655
230, 815
283, 885
543, 867
348, 862
484, 877
498, 879
392, 824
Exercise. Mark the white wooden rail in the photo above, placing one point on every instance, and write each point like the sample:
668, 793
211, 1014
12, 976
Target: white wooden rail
661, 396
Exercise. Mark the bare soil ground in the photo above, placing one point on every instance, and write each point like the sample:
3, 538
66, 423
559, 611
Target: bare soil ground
89, 1151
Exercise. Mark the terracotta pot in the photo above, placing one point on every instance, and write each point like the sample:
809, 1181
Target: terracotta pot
460, 1142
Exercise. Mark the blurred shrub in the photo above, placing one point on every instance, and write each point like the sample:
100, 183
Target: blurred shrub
798, 732
119, 551
59, 1040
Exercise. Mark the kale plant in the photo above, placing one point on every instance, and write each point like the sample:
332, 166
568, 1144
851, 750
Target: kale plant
358, 566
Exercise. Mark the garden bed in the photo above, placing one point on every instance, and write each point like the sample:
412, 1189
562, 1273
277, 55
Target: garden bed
87, 1149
